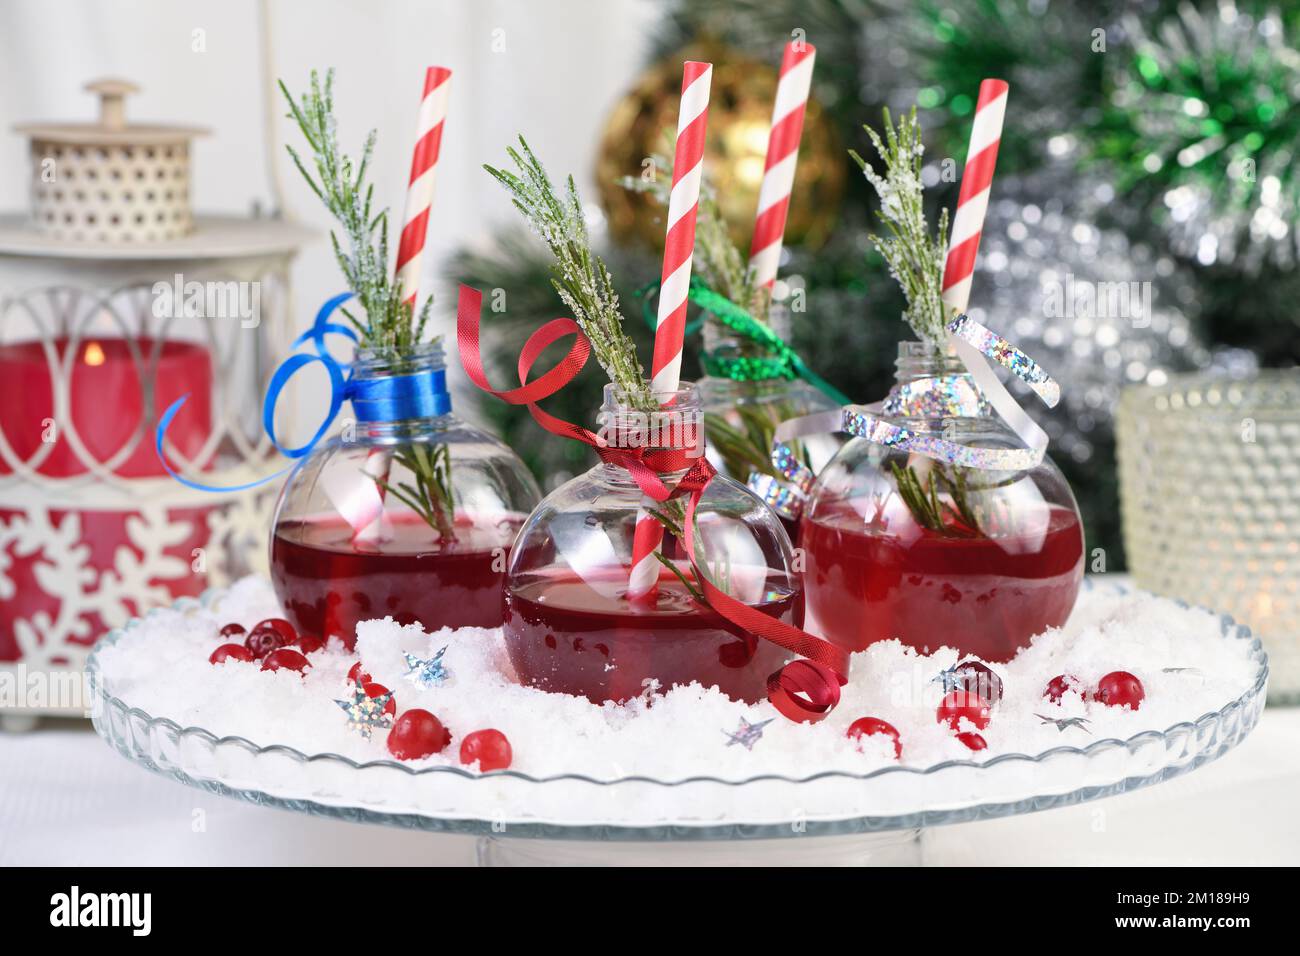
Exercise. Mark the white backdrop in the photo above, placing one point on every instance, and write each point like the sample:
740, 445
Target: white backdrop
551, 70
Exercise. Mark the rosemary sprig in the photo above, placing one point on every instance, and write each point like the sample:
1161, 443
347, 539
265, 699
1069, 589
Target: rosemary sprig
672, 516
741, 448
579, 275
914, 259
748, 447
956, 484
431, 495
717, 259
928, 509
584, 284
691, 587
391, 329
390, 325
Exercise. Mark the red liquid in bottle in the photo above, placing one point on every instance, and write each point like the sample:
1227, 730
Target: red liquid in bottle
791, 526
983, 596
327, 582
567, 637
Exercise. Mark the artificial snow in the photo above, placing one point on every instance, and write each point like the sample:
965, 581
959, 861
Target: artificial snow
1185, 663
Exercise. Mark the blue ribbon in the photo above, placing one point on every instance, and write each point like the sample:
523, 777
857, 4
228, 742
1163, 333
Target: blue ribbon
387, 398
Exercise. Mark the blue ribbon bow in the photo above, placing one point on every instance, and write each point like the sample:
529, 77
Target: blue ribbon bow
386, 398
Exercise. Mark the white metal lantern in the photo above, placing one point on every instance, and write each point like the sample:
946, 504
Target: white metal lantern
115, 299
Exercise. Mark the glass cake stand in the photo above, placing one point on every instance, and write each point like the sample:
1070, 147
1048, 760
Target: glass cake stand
823, 818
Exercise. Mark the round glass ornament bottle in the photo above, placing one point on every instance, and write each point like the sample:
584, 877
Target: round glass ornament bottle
409, 513
744, 398
904, 546
571, 625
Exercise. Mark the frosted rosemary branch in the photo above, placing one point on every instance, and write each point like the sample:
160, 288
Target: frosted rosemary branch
717, 260
431, 495
584, 283
390, 325
391, 328
915, 261
579, 275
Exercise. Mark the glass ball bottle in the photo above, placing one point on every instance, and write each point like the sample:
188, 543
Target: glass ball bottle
408, 515
573, 627
743, 405
901, 545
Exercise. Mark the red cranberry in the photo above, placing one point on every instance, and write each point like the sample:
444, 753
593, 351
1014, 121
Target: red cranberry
417, 733
355, 674
1061, 685
230, 652
866, 726
379, 690
973, 741
961, 704
279, 624
232, 630
1120, 689
310, 645
263, 640
975, 676
489, 747
285, 659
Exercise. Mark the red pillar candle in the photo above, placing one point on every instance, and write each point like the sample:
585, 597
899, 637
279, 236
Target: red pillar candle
110, 384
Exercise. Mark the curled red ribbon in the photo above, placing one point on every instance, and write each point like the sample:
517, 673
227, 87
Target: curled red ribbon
804, 690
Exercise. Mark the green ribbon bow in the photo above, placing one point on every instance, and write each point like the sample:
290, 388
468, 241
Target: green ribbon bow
781, 361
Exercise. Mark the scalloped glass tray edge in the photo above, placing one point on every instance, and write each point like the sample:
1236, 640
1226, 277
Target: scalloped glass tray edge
566, 806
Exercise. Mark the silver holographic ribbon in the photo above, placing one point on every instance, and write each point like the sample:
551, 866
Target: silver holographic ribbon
976, 346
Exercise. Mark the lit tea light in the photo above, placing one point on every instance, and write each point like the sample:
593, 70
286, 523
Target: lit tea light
1261, 608
114, 395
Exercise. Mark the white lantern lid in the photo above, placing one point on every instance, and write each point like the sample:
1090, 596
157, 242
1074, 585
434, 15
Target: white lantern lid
112, 128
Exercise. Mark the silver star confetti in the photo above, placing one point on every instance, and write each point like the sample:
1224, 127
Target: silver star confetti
747, 734
950, 678
427, 673
365, 713
1064, 722
973, 675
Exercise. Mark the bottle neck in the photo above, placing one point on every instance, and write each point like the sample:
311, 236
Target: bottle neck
933, 383
665, 421
723, 341
400, 395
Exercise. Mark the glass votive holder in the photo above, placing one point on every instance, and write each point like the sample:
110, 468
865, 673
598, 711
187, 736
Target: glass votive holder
1209, 471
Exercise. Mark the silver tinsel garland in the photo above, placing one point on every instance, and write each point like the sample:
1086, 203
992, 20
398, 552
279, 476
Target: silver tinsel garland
1097, 311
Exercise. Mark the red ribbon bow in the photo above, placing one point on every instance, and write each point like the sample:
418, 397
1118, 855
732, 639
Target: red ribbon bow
804, 690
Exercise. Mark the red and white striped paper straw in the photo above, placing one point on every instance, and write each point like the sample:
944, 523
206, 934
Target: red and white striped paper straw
419, 192
410, 251
973, 200
679, 250
782, 153
683, 204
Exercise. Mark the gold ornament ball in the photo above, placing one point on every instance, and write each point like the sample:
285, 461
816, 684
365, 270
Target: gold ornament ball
740, 116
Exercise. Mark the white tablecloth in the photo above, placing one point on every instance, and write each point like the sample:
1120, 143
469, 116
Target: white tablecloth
67, 799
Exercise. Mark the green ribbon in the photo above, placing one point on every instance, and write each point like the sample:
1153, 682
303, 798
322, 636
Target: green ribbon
780, 362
